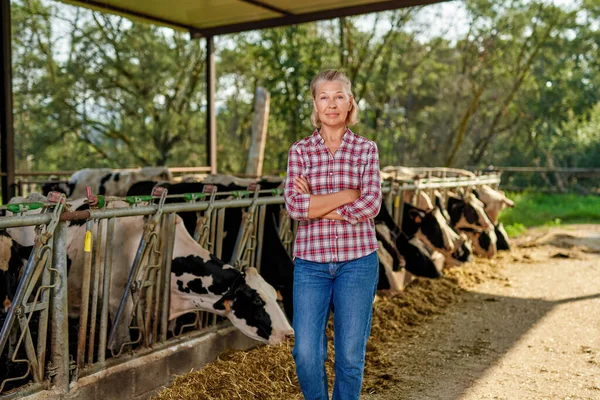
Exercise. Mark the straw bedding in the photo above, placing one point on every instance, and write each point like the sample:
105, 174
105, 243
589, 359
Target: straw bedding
268, 372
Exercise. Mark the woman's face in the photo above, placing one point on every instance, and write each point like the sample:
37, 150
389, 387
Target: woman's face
332, 103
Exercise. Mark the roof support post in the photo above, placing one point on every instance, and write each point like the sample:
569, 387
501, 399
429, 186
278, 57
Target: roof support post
7, 130
211, 117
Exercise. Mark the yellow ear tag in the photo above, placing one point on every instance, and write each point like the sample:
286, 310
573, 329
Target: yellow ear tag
397, 202
87, 245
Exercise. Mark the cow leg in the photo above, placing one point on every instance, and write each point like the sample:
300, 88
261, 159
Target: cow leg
313, 285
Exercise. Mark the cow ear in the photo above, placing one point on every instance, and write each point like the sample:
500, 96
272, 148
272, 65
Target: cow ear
416, 216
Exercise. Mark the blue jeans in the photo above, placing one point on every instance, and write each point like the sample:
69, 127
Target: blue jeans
350, 287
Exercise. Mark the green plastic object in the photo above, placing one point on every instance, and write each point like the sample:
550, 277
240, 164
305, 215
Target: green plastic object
22, 207
101, 202
137, 199
277, 192
194, 196
238, 194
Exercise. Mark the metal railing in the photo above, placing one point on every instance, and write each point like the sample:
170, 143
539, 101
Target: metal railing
147, 289
91, 346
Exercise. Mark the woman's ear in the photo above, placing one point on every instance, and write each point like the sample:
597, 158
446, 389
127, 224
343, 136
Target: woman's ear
351, 103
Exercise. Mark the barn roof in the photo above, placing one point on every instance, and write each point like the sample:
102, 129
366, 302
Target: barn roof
216, 17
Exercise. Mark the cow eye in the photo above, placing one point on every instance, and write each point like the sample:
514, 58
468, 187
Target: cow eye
258, 301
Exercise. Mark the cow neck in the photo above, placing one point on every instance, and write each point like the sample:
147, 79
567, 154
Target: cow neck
237, 282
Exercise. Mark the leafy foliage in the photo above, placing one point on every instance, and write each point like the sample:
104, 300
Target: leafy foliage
517, 86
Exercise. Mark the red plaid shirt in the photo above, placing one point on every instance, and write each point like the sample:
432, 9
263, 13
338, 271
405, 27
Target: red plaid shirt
355, 165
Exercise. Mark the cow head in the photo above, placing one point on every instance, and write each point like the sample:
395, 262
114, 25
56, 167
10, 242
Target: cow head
483, 242
468, 212
61, 187
418, 258
463, 253
503, 243
494, 201
200, 281
431, 228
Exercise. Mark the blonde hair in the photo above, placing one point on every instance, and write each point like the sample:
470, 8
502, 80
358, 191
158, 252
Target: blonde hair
332, 75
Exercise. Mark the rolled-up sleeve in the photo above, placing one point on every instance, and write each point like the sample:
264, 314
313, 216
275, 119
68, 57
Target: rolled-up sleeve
296, 203
368, 204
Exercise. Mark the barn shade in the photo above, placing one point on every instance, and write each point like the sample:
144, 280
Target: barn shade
216, 17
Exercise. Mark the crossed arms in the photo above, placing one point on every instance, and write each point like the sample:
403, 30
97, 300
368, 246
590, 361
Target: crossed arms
351, 205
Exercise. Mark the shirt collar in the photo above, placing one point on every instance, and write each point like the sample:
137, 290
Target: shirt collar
317, 138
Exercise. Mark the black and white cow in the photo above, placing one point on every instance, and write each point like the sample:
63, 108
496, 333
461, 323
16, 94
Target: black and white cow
494, 201
199, 281
464, 252
106, 181
276, 265
431, 228
468, 212
484, 242
418, 260
502, 242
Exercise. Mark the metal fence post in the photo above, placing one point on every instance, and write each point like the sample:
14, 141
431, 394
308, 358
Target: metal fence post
59, 321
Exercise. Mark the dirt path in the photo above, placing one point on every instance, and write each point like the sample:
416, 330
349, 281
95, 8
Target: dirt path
535, 335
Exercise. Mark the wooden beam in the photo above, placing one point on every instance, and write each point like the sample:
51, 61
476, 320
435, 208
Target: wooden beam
7, 130
211, 118
266, 6
256, 154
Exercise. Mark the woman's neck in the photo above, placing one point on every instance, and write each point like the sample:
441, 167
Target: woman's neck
332, 134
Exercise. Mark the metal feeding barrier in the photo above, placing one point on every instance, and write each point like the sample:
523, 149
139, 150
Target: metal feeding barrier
38, 312
92, 346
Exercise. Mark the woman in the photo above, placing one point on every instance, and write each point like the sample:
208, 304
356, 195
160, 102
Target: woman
333, 188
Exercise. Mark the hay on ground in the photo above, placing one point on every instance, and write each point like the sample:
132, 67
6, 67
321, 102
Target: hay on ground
268, 372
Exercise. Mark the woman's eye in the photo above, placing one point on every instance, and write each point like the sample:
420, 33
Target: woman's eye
323, 98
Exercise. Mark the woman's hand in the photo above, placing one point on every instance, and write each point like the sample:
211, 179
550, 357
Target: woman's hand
301, 185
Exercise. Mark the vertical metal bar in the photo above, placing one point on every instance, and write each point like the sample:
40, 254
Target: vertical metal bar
389, 201
139, 257
29, 348
23, 291
7, 129
397, 209
106, 289
400, 209
262, 210
219, 233
95, 289
59, 321
85, 294
43, 321
168, 258
211, 118
159, 275
151, 278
